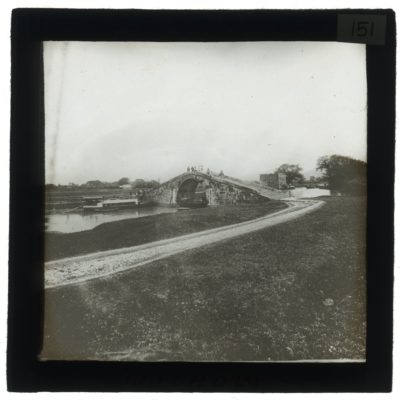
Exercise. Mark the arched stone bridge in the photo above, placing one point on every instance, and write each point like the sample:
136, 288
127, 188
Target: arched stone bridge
219, 190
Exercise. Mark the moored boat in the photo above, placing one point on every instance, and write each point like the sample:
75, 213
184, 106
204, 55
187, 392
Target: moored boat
111, 205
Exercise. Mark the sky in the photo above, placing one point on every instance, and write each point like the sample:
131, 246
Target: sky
148, 110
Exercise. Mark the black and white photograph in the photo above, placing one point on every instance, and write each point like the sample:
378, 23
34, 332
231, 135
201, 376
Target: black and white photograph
205, 201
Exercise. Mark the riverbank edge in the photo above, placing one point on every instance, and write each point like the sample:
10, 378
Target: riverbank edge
137, 231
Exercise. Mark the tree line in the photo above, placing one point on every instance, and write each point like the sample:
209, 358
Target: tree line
98, 184
342, 174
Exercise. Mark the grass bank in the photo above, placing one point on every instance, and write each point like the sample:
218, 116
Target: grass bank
292, 291
135, 231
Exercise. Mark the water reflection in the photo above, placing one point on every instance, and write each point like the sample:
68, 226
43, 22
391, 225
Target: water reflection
76, 222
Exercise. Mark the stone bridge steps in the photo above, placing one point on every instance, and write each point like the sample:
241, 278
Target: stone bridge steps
269, 192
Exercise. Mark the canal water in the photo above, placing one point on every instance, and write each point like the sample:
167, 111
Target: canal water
303, 192
76, 222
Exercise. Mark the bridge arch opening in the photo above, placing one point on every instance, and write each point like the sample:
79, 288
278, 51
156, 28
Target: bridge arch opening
191, 193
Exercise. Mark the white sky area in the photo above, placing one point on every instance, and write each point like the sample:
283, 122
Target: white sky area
149, 110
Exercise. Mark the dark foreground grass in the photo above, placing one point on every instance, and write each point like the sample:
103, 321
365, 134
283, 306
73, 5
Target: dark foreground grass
135, 231
293, 291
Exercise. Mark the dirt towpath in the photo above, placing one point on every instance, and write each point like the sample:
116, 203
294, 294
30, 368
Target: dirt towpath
79, 269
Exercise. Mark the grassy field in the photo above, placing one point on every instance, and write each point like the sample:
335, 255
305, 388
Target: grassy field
292, 291
134, 231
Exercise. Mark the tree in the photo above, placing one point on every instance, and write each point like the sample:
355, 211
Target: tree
344, 174
292, 172
153, 184
143, 184
123, 181
95, 183
139, 183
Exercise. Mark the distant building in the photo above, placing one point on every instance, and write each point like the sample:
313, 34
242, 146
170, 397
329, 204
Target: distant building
276, 180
